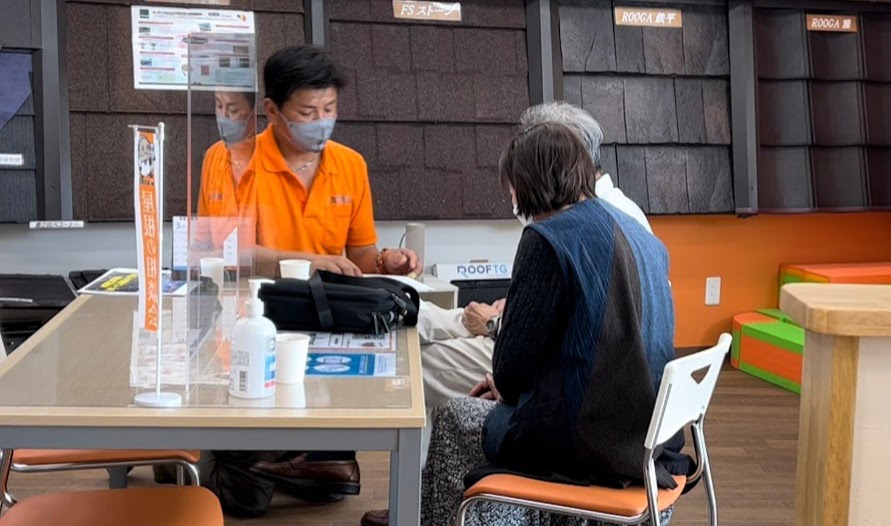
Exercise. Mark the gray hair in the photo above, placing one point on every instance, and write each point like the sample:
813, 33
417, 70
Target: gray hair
576, 119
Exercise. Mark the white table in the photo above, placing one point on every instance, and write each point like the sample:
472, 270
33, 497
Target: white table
68, 387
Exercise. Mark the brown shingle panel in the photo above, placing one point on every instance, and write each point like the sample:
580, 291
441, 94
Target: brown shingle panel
783, 113
604, 99
780, 44
709, 183
667, 180
650, 110
784, 178
838, 177
706, 46
837, 111
87, 51
879, 167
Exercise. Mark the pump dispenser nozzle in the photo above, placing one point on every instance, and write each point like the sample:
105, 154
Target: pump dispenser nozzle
254, 306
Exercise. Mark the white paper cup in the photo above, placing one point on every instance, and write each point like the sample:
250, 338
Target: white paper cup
291, 354
214, 268
416, 240
290, 395
295, 268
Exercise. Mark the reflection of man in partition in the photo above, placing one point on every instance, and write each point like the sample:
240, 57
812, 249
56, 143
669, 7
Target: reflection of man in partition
146, 160
226, 180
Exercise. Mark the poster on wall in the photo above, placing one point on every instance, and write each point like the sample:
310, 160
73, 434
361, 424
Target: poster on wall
160, 41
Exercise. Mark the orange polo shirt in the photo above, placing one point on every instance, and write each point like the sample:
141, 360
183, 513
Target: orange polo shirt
335, 212
221, 197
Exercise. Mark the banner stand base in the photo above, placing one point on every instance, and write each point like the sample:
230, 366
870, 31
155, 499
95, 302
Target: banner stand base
158, 399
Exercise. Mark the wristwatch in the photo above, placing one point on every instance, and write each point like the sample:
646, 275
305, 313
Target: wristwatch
492, 326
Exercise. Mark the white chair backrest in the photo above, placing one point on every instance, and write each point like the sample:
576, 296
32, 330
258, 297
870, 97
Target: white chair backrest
682, 400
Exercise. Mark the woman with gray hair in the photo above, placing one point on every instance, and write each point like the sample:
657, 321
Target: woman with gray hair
588, 329
457, 344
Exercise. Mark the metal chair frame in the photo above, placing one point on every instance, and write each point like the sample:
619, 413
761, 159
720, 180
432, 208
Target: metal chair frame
652, 512
8, 464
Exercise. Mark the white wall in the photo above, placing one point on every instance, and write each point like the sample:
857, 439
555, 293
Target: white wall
106, 245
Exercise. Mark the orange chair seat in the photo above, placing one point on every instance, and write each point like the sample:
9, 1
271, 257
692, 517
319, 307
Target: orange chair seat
172, 506
628, 502
43, 457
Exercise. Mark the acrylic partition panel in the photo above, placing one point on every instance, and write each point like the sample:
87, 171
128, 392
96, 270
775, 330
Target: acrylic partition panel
215, 241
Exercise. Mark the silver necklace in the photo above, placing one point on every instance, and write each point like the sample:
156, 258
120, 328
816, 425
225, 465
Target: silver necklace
302, 167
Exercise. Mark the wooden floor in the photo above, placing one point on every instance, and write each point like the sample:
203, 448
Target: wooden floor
751, 431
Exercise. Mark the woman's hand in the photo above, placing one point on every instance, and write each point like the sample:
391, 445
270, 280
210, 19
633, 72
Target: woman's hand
486, 390
401, 262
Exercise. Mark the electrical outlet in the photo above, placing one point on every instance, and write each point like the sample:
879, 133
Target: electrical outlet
713, 290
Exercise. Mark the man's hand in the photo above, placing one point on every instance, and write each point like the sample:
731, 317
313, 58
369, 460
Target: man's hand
335, 264
401, 262
476, 315
486, 390
499, 305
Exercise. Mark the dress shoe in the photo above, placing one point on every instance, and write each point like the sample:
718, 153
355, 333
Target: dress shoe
323, 476
376, 518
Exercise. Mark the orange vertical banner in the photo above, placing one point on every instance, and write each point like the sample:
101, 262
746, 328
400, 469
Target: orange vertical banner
147, 186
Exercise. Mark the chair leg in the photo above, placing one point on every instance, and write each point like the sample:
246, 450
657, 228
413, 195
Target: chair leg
462, 512
699, 439
117, 477
652, 491
5, 466
193, 474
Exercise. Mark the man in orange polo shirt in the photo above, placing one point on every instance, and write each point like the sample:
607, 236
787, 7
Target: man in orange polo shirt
227, 189
312, 201
313, 196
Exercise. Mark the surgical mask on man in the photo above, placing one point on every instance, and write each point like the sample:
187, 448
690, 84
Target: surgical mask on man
311, 136
523, 219
231, 131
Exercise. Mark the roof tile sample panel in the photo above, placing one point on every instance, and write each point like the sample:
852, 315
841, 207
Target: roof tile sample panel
780, 44
586, 37
663, 51
667, 180
20, 199
836, 113
835, 56
783, 113
604, 98
709, 182
630, 49
876, 30
838, 178
691, 118
878, 114
631, 164
442, 99
608, 164
784, 179
716, 107
878, 161
87, 76
650, 110
572, 89
706, 47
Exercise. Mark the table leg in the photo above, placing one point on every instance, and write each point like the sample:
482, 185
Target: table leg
405, 480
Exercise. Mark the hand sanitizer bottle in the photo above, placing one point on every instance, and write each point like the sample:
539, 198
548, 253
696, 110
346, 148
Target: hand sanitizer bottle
252, 367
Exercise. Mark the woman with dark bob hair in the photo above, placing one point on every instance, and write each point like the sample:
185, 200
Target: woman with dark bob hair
587, 330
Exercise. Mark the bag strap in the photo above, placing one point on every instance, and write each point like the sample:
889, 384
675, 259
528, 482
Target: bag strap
323, 308
394, 287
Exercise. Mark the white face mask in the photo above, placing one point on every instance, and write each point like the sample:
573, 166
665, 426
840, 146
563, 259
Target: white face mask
524, 220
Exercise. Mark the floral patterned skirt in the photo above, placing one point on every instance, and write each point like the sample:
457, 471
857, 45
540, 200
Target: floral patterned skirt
455, 450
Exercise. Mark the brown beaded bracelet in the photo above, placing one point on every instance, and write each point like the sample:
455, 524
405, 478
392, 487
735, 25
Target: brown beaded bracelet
379, 262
